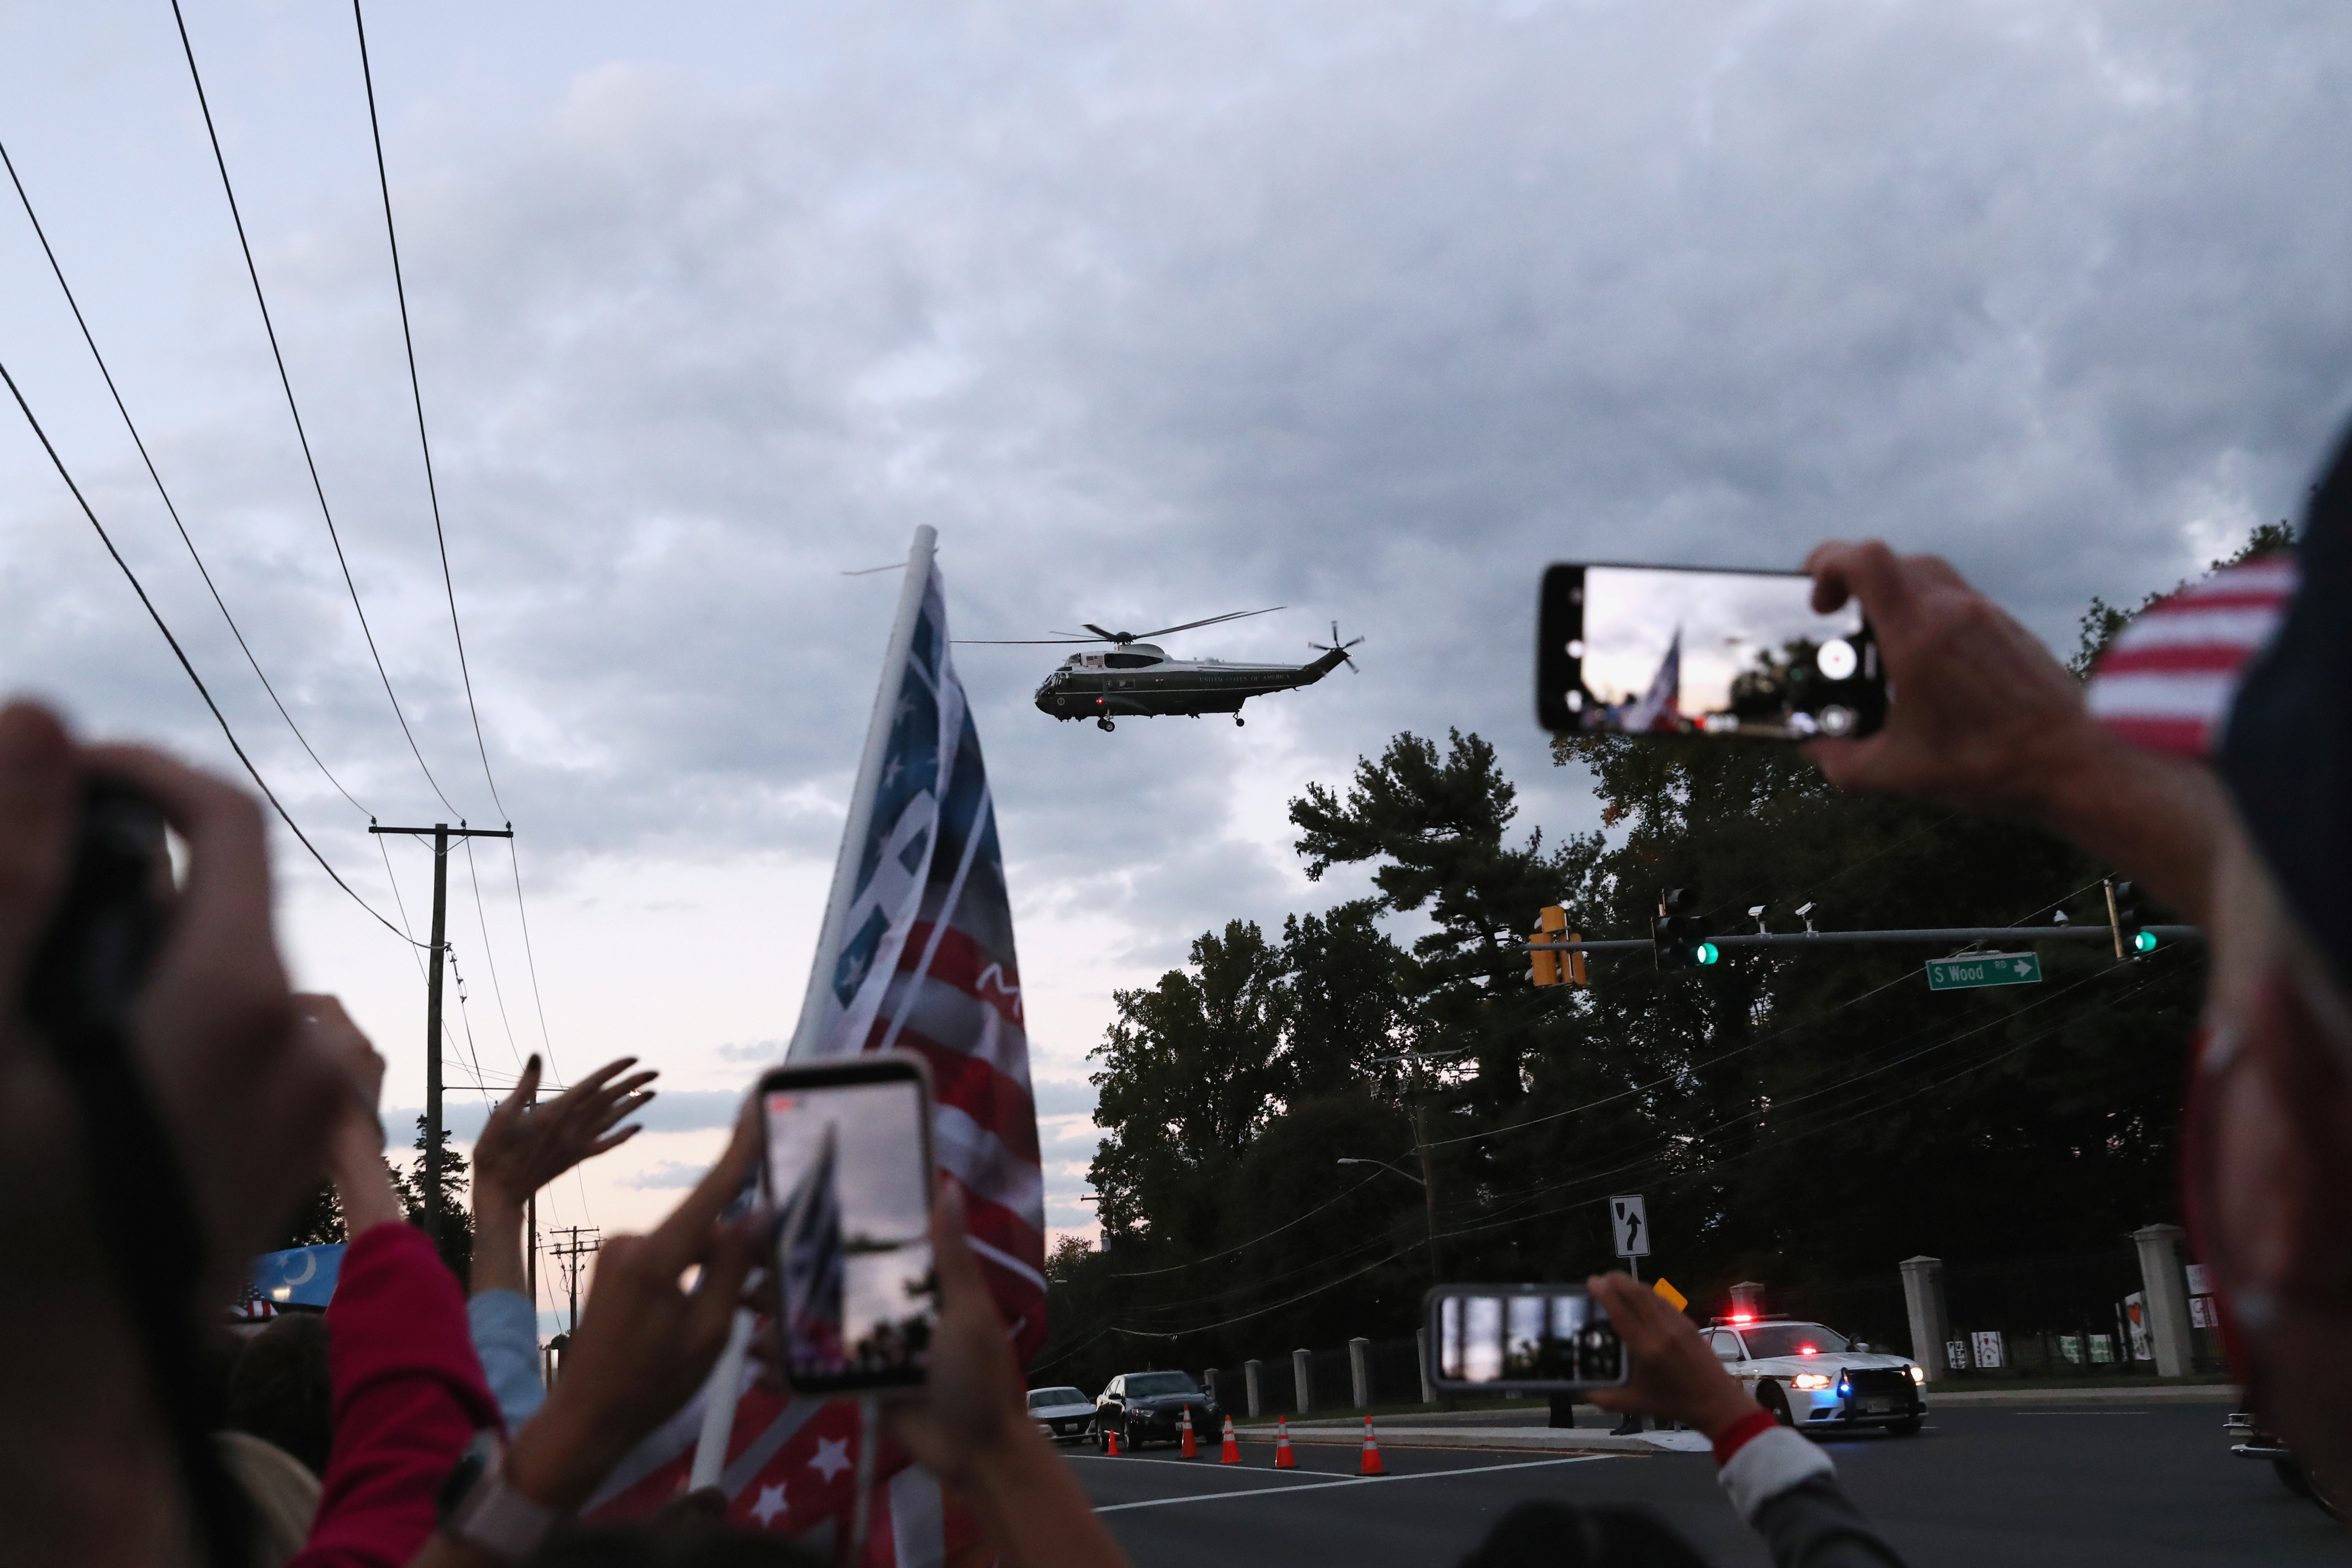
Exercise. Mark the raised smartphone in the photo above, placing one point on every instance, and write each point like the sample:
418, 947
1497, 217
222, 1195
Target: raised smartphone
1533, 1338
849, 1165
1670, 650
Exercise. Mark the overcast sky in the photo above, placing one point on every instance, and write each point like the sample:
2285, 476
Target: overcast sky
1155, 312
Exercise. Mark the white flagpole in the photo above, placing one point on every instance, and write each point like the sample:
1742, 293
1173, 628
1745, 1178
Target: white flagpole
726, 1384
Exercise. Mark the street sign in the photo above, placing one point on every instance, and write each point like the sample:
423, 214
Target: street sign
1984, 969
1631, 1221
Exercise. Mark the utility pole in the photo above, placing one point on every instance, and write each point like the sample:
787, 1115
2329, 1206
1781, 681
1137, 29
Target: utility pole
569, 1254
441, 833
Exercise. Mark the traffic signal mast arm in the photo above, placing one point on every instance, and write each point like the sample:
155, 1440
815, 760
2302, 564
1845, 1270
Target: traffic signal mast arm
1925, 934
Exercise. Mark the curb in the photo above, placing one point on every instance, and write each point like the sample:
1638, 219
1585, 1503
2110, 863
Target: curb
2160, 1394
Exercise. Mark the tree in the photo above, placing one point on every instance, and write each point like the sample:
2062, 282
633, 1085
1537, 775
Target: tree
456, 1244
317, 1222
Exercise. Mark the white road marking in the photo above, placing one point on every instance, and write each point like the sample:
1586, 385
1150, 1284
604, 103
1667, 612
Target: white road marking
1212, 1469
2081, 1412
1352, 1481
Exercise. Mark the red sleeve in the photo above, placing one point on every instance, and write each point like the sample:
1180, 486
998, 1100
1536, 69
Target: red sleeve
409, 1396
1737, 1436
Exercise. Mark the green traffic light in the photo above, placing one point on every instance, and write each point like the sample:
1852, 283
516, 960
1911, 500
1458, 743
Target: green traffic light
2143, 941
1706, 953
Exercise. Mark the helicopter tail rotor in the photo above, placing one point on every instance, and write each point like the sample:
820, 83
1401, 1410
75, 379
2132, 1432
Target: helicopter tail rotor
1336, 646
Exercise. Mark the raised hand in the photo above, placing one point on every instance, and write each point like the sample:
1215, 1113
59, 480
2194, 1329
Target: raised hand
1673, 1375
645, 1342
525, 1146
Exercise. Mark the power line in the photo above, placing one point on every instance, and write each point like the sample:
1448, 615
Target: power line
277, 355
180, 654
482, 918
169, 506
416, 395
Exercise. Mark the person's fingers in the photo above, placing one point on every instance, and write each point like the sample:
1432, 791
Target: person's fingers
711, 1314
958, 1265
228, 889
586, 1088
510, 1110
1868, 571
686, 1230
613, 1141
38, 807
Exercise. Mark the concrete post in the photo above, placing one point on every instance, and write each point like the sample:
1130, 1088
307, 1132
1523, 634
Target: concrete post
1249, 1376
1302, 1374
1420, 1359
1360, 1373
1931, 1322
2164, 1284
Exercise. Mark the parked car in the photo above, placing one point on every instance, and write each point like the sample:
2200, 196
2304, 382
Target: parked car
1149, 1406
1062, 1414
1813, 1377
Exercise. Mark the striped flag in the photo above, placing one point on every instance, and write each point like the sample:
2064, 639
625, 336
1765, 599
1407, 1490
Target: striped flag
811, 1262
916, 954
2168, 679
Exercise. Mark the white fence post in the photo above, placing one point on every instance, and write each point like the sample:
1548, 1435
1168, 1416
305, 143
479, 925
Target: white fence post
1302, 1373
2164, 1285
1249, 1376
1923, 1299
1360, 1373
1420, 1359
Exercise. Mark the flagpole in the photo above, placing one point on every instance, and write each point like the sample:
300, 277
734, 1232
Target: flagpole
725, 1388
806, 1035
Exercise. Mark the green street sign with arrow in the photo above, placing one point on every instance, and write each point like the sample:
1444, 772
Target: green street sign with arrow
1974, 969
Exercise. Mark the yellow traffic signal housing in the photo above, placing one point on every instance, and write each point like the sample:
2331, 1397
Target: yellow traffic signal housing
1552, 966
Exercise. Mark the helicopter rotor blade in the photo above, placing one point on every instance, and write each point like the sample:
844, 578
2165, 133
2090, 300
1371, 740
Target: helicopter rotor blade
1108, 636
1213, 620
1020, 642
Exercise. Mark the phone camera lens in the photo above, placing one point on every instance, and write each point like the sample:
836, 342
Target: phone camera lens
1576, 702
1576, 647
1836, 720
1598, 1355
1836, 660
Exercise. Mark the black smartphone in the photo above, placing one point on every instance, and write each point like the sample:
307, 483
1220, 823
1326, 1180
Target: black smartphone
94, 958
1535, 1339
849, 1165
1730, 654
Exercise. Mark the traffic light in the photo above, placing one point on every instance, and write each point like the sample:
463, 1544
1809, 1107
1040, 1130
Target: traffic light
2123, 917
1677, 938
1552, 966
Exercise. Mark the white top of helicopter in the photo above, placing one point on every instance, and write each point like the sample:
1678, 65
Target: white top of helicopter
1147, 655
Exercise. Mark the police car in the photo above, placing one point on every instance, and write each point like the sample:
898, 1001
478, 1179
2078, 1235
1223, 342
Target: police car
1814, 1377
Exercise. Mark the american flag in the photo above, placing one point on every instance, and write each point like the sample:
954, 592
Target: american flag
2168, 680
811, 1262
916, 954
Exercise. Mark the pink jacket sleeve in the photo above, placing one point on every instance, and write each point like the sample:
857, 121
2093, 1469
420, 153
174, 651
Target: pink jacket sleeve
409, 1396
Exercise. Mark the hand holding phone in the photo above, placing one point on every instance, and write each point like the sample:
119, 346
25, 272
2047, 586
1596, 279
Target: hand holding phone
848, 1154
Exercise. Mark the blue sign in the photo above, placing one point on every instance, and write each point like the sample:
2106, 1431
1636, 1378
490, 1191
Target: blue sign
302, 1277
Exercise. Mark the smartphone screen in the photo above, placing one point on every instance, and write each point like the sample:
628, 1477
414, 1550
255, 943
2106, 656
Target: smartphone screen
849, 1175
1534, 1337
1651, 649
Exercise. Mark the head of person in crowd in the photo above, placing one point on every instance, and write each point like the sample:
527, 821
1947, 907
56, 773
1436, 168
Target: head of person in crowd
280, 1392
2221, 780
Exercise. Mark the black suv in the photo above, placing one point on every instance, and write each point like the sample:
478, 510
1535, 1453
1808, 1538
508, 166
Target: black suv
1148, 1408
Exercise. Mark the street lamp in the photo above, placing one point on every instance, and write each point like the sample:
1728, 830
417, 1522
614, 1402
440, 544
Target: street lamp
1386, 1166
1428, 1201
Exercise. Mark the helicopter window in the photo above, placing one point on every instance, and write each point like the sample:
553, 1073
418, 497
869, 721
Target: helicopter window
1130, 661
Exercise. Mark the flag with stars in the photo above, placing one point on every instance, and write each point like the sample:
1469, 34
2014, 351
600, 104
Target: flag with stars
916, 954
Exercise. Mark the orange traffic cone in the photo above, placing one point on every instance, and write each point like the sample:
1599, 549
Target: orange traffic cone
1192, 1448
1372, 1465
1111, 1433
1232, 1454
1284, 1460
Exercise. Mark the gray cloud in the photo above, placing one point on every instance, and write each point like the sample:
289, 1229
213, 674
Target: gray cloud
1366, 309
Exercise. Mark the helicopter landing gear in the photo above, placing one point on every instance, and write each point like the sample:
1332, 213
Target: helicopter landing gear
1105, 725
1237, 721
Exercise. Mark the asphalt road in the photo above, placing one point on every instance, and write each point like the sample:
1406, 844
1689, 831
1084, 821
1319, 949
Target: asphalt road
2131, 1486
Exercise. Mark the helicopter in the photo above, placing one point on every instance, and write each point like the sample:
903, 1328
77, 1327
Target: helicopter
1135, 678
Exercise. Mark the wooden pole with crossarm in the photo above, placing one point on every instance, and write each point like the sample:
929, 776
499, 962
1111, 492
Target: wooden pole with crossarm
441, 833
